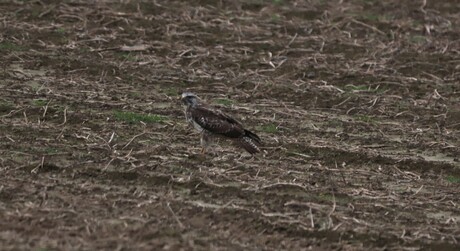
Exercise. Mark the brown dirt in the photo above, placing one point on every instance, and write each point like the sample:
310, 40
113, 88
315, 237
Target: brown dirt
358, 103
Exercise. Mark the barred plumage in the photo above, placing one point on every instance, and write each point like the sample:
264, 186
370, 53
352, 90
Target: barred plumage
212, 122
250, 142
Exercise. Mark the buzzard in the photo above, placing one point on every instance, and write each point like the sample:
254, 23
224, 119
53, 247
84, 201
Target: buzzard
212, 122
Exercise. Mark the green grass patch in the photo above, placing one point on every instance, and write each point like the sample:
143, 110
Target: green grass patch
453, 179
5, 106
134, 94
224, 101
339, 199
84, 50
290, 153
337, 123
51, 150
60, 30
356, 87
275, 18
171, 91
364, 88
417, 39
269, 128
43, 249
128, 56
8, 46
365, 118
371, 17
132, 117
386, 18
416, 23
39, 102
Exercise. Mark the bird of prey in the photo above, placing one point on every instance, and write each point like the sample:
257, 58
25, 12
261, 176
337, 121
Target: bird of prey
212, 122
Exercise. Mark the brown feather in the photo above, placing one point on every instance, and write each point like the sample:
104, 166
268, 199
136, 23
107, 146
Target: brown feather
216, 122
248, 144
220, 124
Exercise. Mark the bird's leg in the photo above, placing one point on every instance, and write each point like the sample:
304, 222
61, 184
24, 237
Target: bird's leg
207, 143
204, 142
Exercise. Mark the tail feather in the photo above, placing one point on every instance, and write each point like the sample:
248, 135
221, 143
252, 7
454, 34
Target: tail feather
252, 136
250, 142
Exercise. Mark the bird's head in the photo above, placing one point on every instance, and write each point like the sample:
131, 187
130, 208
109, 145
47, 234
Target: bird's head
189, 99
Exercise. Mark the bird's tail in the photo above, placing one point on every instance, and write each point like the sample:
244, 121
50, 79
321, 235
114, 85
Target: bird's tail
250, 142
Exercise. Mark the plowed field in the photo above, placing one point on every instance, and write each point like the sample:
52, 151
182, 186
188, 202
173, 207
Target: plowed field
357, 103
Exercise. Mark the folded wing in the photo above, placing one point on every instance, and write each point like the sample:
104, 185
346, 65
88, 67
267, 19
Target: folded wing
217, 122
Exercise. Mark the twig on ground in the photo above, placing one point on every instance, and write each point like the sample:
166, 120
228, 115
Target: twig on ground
175, 217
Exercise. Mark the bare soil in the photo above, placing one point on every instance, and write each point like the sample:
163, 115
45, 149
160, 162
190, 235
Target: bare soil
357, 102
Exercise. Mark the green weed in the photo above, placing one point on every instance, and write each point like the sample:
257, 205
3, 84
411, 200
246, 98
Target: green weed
8, 46
269, 128
84, 50
126, 56
416, 23
134, 94
39, 102
337, 123
417, 39
275, 18
171, 91
453, 179
60, 30
339, 199
5, 106
364, 88
224, 101
51, 150
357, 87
371, 17
132, 117
365, 118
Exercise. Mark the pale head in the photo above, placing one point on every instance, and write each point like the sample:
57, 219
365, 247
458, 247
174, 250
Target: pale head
189, 99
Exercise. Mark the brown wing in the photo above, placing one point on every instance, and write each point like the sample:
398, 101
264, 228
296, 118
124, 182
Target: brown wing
217, 122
